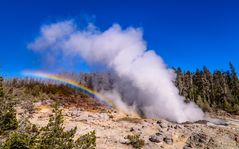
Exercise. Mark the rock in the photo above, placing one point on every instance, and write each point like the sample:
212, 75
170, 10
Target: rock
187, 146
74, 113
46, 102
237, 139
123, 141
168, 140
202, 138
65, 113
158, 122
198, 140
162, 124
177, 127
90, 116
201, 122
131, 129
111, 116
103, 116
158, 133
156, 138
187, 122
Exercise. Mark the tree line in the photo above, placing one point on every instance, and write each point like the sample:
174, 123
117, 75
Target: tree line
210, 90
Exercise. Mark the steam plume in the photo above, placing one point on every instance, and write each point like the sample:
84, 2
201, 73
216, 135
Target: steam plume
146, 83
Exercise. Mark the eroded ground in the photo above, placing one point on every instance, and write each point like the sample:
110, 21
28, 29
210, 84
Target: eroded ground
113, 126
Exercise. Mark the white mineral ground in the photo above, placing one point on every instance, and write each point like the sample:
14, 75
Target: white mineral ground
113, 126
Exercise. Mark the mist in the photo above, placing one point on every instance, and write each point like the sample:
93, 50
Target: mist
145, 83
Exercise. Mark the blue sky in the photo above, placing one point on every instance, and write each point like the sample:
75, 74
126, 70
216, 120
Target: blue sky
185, 33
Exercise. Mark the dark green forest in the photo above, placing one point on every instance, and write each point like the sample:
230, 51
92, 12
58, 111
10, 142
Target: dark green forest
210, 90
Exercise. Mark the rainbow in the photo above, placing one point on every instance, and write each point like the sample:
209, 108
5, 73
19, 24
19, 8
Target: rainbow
55, 77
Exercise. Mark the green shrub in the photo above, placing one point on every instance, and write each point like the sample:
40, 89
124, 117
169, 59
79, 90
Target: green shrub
52, 136
135, 141
8, 120
87, 141
24, 138
17, 141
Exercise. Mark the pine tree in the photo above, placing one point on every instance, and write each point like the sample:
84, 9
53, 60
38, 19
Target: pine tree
234, 83
188, 86
207, 84
52, 136
1, 88
179, 80
198, 85
8, 120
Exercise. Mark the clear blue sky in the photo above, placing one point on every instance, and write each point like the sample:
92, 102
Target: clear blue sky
186, 33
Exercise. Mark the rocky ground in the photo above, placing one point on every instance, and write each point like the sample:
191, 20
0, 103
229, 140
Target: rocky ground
112, 127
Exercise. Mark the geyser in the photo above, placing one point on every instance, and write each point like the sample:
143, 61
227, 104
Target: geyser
146, 83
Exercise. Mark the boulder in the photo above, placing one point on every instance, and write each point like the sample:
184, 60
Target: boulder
162, 124
156, 138
237, 139
168, 140
198, 140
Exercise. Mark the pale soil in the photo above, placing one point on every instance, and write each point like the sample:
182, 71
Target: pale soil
112, 127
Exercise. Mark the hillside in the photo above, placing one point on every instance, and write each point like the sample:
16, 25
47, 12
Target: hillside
112, 128
33, 100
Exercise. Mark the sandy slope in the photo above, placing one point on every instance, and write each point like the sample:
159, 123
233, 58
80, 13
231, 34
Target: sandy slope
112, 127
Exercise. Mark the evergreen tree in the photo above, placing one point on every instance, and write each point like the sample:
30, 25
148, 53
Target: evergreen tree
188, 86
179, 80
198, 85
52, 136
1, 88
234, 83
210, 91
207, 84
8, 120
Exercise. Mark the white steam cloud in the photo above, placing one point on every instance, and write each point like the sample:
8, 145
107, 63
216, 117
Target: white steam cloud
149, 84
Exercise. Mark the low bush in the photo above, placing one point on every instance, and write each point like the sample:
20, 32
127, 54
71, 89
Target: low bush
52, 136
135, 141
